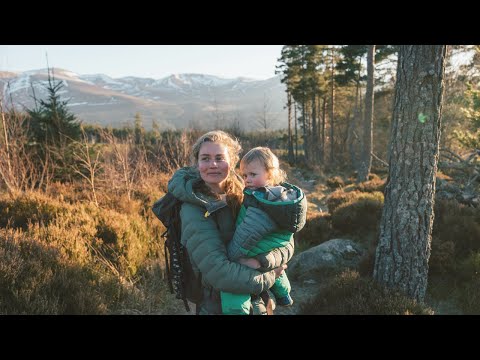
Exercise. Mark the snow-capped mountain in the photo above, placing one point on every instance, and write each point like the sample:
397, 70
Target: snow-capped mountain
176, 101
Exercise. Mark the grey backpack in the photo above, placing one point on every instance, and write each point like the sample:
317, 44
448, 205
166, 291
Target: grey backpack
181, 278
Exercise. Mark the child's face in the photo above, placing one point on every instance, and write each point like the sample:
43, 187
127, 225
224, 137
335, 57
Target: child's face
254, 174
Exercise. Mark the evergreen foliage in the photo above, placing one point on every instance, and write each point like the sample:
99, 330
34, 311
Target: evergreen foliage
470, 138
50, 121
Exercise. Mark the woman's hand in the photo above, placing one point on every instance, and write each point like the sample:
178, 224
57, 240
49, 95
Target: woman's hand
279, 270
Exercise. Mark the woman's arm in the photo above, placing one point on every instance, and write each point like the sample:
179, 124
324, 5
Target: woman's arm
207, 251
276, 257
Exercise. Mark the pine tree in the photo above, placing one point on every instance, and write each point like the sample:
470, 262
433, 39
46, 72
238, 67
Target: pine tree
406, 226
51, 123
139, 130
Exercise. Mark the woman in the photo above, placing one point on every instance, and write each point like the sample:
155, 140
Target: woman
212, 193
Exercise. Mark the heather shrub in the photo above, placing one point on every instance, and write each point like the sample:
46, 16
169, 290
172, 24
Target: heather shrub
36, 278
147, 197
469, 268
469, 297
71, 233
40, 278
161, 182
367, 262
335, 182
316, 231
469, 289
359, 216
459, 224
350, 294
340, 197
83, 231
373, 177
123, 240
62, 192
442, 257
373, 185
123, 205
150, 294
78, 259
378, 170
19, 210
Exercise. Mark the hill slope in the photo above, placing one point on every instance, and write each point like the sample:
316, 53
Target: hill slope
177, 101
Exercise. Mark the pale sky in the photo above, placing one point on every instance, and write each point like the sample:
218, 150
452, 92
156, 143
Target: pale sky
153, 61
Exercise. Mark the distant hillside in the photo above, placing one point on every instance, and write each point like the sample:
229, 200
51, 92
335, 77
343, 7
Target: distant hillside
177, 101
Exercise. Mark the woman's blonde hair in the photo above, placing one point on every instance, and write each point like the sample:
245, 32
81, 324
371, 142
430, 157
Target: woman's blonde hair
219, 137
268, 159
233, 183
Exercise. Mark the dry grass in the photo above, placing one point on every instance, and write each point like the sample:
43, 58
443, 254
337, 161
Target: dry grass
36, 278
350, 294
65, 255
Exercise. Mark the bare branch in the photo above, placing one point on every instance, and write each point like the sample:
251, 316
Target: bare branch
379, 160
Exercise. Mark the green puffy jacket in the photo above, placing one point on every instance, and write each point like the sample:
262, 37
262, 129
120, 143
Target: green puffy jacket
268, 221
207, 226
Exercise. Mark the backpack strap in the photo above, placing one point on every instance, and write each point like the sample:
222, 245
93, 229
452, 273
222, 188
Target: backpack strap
167, 261
167, 210
178, 254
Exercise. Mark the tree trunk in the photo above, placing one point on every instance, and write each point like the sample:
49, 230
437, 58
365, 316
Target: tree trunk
314, 137
406, 225
290, 142
352, 125
367, 143
305, 134
322, 145
296, 131
332, 108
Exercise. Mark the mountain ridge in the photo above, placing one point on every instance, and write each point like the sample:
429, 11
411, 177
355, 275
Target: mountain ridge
174, 102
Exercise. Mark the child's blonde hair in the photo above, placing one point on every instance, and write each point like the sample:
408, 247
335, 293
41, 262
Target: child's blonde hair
269, 160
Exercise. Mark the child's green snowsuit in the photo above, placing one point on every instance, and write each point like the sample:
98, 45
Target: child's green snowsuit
268, 218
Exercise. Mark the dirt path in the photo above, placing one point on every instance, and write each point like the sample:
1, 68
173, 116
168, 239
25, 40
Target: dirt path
316, 193
302, 292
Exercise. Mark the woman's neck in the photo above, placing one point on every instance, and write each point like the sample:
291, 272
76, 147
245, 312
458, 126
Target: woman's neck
217, 188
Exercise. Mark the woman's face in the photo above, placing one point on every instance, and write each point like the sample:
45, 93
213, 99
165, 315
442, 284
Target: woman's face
214, 165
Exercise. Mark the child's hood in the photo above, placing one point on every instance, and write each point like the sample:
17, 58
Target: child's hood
290, 213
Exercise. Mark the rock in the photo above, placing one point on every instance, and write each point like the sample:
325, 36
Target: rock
336, 253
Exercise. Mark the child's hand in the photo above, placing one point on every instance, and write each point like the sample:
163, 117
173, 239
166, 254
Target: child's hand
279, 270
250, 262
